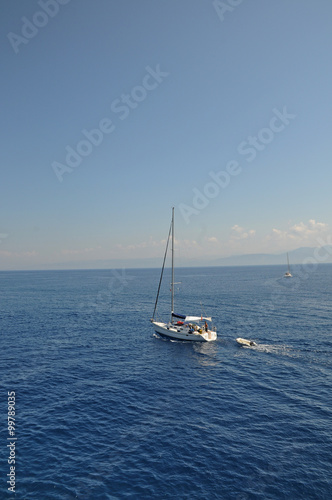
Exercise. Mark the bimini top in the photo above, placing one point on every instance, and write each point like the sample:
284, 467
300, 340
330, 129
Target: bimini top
190, 318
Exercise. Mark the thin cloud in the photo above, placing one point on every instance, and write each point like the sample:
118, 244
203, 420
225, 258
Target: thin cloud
82, 251
300, 233
6, 253
239, 233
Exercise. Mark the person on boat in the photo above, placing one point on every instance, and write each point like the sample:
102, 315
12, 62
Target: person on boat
206, 326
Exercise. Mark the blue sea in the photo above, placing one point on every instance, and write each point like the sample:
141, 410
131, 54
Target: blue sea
106, 409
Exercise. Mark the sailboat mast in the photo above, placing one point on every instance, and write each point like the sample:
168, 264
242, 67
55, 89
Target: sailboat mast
172, 286
288, 262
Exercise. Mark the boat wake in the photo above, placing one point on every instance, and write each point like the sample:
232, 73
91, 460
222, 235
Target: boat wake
165, 339
268, 348
284, 350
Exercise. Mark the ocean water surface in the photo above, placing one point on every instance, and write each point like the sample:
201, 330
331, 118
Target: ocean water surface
106, 409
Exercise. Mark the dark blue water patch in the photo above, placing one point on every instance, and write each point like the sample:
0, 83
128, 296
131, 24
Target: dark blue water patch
106, 409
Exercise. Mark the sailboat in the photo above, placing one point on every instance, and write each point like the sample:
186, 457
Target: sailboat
181, 326
288, 273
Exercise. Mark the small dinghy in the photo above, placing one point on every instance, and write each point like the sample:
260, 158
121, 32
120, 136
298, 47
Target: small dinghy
245, 342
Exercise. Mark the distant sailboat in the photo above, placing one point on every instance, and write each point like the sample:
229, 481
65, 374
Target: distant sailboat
288, 273
180, 326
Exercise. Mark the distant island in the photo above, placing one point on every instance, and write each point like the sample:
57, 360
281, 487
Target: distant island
296, 257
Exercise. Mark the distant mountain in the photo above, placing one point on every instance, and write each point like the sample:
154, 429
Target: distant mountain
298, 256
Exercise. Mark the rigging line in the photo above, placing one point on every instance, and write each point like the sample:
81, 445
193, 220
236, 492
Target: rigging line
162, 271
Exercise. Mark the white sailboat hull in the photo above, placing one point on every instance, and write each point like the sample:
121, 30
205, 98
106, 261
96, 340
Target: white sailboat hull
183, 333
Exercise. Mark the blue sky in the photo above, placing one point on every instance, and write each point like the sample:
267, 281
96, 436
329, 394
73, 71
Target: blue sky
156, 98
